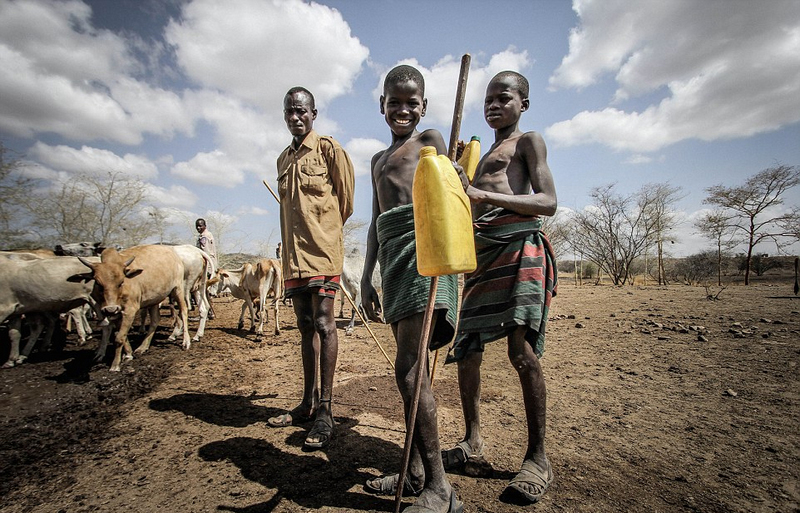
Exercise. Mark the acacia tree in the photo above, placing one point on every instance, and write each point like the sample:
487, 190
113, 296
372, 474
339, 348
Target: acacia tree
716, 226
753, 211
108, 209
614, 230
14, 188
657, 201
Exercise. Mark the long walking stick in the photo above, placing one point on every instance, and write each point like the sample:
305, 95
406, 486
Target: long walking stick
352, 303
426, 324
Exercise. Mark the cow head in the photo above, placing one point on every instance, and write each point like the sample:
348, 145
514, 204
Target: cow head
111, 275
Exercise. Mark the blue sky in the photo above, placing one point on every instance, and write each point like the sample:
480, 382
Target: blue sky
188, 95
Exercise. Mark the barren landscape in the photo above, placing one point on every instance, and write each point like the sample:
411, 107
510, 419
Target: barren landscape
659, 400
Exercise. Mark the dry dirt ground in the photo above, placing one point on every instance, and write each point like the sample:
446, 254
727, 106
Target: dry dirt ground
659, 400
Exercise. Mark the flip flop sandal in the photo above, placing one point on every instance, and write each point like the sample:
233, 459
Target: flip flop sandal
531, 482
387, 485
322, 430
456, 506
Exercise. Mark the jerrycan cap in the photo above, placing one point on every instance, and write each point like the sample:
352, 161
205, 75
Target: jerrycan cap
427, 151
475, 138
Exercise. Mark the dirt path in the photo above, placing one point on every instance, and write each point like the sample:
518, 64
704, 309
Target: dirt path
659, 400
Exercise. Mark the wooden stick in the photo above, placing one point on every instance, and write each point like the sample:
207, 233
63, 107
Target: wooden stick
272, 192
452, 149
352, 303
358, 312
422, 357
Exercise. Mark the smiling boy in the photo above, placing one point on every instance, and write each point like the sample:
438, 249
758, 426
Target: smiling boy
391, 241
509, 293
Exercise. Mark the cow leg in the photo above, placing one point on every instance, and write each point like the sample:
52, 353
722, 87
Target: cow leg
14, 334
180, 297
277, 324
122, 341
36, 322
245, 305
49, 320
155, 318
105, 337
201, 299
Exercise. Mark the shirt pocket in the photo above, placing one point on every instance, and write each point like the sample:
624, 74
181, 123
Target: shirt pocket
283, 183
314, 178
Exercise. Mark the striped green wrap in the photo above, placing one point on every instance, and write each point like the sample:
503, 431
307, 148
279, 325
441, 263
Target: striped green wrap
405, 292
512, 285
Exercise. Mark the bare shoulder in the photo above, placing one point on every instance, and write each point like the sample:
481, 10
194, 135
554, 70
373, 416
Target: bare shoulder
432, 137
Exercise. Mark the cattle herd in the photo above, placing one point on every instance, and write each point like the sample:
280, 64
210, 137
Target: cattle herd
113, 287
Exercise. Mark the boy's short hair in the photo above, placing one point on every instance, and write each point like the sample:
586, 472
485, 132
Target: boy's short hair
301, 89
520, 82
404, 73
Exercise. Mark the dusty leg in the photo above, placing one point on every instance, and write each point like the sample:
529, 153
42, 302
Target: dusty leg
436, 490
469, 387
534, 393
310, 347
122, 342
325, 331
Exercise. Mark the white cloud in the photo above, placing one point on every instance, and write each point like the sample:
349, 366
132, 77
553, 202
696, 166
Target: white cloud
213, 168
62, 75
638, 159
254, 211
90, 160
275, 47
728, 69
441, 81
361, 152
176, 196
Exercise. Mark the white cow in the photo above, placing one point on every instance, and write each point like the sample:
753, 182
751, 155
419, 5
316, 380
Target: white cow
198, 269
136, 278
40, 286
351, 282
255, 281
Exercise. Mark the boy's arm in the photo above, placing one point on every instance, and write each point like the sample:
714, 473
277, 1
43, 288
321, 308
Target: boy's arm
369, 296
543, 201
340, 168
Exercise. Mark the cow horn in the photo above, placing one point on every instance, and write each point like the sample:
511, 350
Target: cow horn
87, 263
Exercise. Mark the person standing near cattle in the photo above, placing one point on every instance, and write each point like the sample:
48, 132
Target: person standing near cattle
315, 184
205, 241
391, 241
509, 293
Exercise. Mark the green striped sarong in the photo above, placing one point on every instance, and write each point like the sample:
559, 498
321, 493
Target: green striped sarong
405, 292
512, 285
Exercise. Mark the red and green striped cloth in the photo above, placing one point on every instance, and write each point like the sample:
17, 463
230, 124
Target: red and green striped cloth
512, 286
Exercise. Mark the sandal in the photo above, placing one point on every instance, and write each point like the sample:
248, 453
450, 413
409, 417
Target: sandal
322, 431
387, 485
462, 458
456, 506
531, 482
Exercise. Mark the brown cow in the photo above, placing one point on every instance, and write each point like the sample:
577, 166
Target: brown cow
251, 282
136, 278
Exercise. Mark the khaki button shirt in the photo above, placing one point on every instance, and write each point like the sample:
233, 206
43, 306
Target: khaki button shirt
315, 185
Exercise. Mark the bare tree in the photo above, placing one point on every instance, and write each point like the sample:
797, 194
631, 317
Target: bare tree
557, 228
753, 208
716, 226
657, 201
108, 209
614, 230
14, 188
